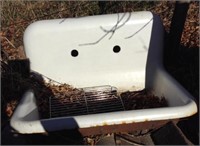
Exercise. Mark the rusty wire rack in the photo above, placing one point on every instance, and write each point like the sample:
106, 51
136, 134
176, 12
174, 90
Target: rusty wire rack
95, 100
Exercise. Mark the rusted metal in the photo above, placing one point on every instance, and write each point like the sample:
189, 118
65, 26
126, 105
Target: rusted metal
95, 100
120, 128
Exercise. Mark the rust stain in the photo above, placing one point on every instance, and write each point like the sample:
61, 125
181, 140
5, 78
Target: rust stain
105, 124
123, 122
124, 127
189, 115
193, 113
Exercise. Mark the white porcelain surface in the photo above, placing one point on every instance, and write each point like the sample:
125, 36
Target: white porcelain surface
49, 44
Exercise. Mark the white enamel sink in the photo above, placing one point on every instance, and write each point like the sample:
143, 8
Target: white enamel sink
122, 50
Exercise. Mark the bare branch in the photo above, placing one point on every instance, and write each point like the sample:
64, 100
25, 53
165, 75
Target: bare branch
9, 42
139, 29
112, 30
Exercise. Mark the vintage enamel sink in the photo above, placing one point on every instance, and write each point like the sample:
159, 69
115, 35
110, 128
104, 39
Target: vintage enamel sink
122, 50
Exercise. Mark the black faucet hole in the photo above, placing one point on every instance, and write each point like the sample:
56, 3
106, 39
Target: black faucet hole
116, 49
74, 53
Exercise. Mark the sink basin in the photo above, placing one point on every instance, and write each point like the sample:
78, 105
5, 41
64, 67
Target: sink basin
123, 50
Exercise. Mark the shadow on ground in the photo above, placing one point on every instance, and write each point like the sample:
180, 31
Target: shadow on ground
183, 65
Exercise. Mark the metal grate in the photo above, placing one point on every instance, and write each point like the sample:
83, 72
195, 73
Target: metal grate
94, 100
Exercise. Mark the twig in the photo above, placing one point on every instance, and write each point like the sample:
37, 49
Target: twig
77, 6
139, 29
112, 30
9, 42
40, 17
